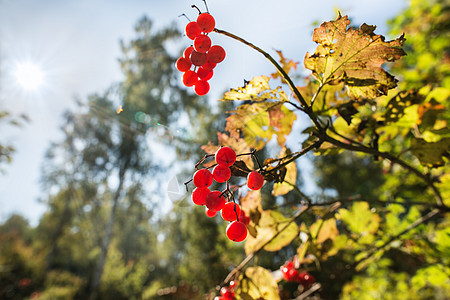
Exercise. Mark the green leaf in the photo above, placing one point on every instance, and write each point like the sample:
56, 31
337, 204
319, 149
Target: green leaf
355, 57
257, 283
431, 154
270, 224
360, 219
257, 90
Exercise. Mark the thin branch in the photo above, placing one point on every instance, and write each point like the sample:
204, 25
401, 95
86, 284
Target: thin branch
283, 73
411, 226
392, 158
249, 257
314, 288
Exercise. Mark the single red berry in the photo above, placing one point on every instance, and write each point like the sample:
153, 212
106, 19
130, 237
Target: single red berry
199, 195
243, 218
225, 156
221, 173
190, 78
201, 87
202, 43
204, 74
232, 284
305, 279
226, 292
209, 65
230, 211
215, 200
216, 54
193, 30
188, 51
198, 59
183, 64
291, 275
203, 178
255, 180
206, 22
236, 231
210, 213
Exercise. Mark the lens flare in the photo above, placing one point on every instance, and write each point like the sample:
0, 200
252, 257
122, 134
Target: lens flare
29, 76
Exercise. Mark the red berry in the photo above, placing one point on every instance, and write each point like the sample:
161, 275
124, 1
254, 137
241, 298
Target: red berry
226, 293
206, 22
232, 284
209, 65
305, 279
230, 211
187, 52
210, 213
201, 87
198, 59
243, 218
199, 195
202, 43
221, 173
205, 74
190, 78
193, 30
236, 231
225, 156
255, 180
183, 64
216, 54
215, 201
203, 178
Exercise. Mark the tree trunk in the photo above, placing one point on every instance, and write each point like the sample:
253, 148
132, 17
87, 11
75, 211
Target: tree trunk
108, 234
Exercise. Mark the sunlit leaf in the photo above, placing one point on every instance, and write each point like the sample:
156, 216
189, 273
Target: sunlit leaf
286, 64
270, 224
258, 122
360, 219
256, 90
324, 230
257, 283
353, 56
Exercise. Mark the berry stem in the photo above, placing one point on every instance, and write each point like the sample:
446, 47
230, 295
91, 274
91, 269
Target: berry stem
202, 160
195, 6
257, 160
184, 15
206, 6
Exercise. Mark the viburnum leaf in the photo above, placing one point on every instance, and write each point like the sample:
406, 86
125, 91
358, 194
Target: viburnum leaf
289, 179
355, 57
360, 219
256, 90
258, 122
270, 224
257, 283
431, 154
286, 64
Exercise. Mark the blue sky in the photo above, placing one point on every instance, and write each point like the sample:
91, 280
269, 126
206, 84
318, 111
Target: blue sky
76, 44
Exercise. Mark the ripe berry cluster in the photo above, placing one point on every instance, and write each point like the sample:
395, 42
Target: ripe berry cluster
202, 56
217, 201
227, 293
290, 273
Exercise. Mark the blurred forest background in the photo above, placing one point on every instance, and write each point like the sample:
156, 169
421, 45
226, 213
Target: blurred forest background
105, 235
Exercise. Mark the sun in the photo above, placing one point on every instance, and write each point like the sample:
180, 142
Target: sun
29, 76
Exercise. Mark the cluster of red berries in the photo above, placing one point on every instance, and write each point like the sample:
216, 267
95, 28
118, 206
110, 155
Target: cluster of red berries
216, 201
290, 273
202, 55
227, 293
